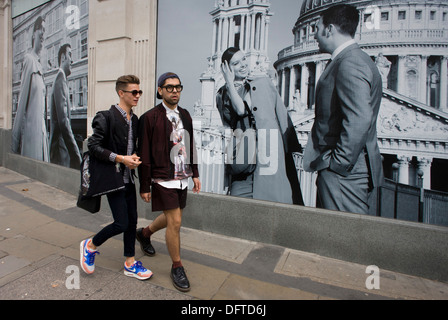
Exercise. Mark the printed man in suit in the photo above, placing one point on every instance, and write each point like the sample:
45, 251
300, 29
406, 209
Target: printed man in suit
343, 146
63, 148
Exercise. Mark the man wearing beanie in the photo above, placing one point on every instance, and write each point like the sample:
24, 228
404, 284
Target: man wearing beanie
168, 155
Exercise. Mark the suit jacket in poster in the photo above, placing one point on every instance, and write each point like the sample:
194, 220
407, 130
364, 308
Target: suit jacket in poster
348, 98
63, 147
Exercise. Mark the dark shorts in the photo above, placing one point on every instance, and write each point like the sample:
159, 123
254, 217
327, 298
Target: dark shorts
167, 199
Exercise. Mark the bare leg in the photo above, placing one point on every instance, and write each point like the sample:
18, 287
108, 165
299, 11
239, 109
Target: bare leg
158, 223
173, 220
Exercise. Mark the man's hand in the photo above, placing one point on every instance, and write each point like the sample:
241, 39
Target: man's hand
132, 162
146, 196
197, 185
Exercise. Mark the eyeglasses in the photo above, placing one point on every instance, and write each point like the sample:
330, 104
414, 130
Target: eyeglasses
134, 92
170, 89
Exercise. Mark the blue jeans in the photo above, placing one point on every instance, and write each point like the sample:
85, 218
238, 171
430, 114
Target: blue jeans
123, 204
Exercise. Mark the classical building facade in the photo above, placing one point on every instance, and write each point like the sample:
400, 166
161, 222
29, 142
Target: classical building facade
113, 37
61, 26
409, 42
407, 38
236, 23
411, 36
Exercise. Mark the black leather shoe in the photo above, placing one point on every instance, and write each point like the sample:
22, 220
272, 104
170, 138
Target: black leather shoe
145, 243
180, 280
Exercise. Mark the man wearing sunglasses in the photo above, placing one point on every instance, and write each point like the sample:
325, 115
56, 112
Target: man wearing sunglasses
167, 153
114, 139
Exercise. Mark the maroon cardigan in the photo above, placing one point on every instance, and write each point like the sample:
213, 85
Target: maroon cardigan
155, 145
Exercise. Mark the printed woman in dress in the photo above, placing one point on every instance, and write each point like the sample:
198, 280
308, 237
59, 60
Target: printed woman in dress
246, 102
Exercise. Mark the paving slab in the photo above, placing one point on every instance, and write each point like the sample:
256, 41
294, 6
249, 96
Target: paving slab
45, 194
242, 288
124, 288
9, 176
49, 283
354, 276
57, 233
17, 219
24, 247
214, 245
10, 264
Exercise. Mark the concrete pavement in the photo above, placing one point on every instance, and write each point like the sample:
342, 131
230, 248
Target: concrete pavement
41, 228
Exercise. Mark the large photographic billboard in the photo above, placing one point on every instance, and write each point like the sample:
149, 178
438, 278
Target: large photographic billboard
49, 111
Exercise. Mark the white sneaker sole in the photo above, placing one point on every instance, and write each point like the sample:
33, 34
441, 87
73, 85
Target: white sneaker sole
134, 275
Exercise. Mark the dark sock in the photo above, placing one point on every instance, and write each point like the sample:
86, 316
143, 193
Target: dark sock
147, 233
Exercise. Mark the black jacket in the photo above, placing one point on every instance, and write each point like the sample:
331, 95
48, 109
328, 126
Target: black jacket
110, 134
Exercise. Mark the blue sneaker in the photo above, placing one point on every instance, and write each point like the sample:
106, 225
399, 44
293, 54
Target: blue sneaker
137, 271
87, 259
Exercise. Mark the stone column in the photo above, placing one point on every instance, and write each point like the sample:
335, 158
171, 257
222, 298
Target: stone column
304, 84
401, 79
230, 31
292, 85
219, 48
242, 32
263, 33
257, 32
5, 65
215, 30
252, 32
424, 164
122, 38
403, 169
248, 26
283, 89
225, 34
266, 35
423, 80
444, 84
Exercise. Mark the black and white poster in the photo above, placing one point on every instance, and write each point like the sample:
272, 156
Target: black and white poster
192, 39
276, 40
50, 56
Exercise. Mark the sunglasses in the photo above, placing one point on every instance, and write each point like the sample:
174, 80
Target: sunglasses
134, 92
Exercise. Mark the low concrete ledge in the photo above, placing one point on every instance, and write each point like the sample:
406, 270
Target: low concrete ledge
60, 177
407, 247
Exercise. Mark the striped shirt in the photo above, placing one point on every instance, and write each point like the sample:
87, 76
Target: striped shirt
127, 177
